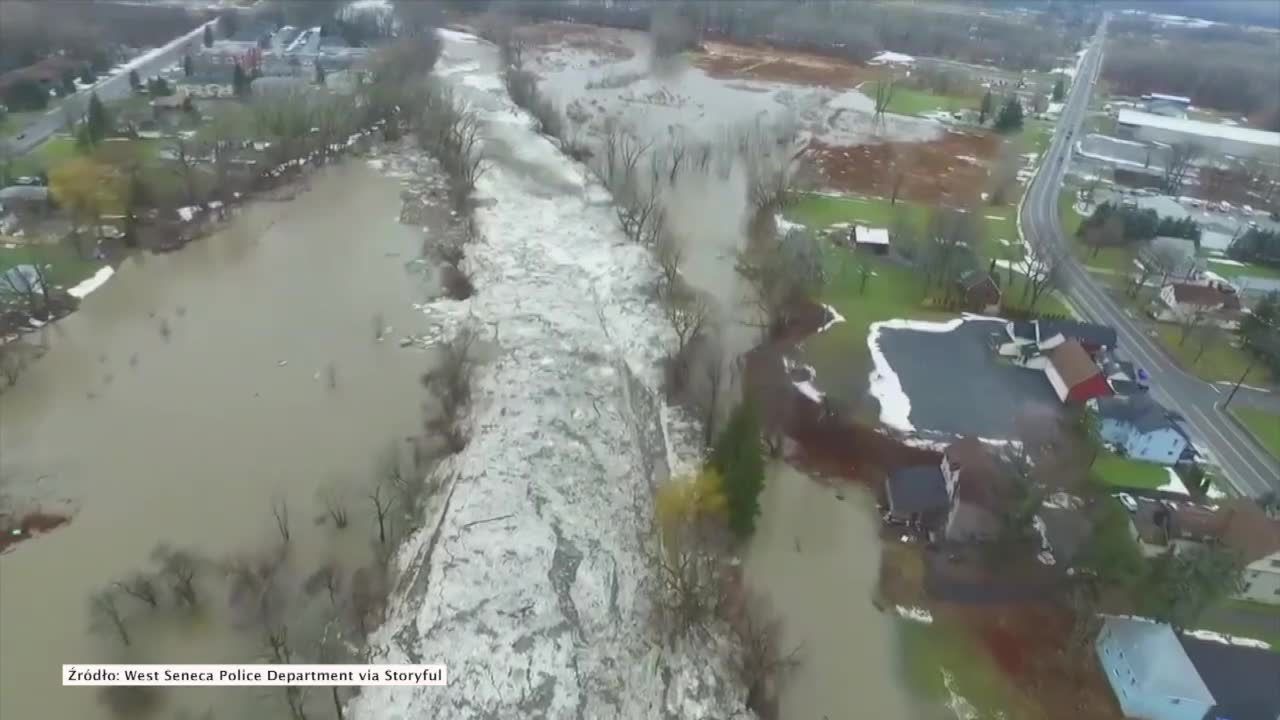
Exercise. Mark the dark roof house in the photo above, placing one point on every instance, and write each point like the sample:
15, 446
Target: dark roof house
1244, 681
1091, 336
979, 289
978, 488
916, 494
1139, 412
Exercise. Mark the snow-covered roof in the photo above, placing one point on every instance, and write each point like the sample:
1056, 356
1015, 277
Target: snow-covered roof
889, 58
1196, 127
1168, 98
864, 235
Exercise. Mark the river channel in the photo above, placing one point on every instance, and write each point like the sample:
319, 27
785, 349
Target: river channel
181, 398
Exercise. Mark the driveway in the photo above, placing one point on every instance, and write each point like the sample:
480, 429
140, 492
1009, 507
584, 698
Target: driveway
956, 385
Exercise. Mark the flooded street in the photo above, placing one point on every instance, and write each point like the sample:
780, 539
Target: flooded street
185, 395
815, 559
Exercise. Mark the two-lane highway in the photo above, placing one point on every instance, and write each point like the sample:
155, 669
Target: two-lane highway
113, 87
1245, 466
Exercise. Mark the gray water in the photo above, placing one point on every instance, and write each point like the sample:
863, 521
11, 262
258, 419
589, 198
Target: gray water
184, 395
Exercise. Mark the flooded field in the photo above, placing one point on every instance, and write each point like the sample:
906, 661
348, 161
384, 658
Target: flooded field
186, 395
815, 557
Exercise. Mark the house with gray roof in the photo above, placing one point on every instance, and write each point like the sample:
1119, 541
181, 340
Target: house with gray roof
1140, 428
1149, 672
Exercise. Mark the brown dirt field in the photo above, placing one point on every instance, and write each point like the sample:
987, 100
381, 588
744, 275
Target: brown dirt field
30, 525
935, 173
1027, 643
578, 37
741, 62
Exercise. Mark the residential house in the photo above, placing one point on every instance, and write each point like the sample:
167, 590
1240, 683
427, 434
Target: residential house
46, 73
1238, 524
177, 102
25, 201
873, 240
1149, 672
1048, 334
977, 491
979, 290
962, 497
1140, 428
916, 496
1184, 302
1073, 374
1244, 681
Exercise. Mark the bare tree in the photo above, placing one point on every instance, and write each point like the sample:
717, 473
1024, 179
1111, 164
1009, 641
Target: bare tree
884, 96
761, 661
187, 162
687, 589
780, 275
334, 499
381, 507
178, 568
670, 255
105, 613
328, 578
1044, 270
141, 587
450, 383
1181, 157
280, 512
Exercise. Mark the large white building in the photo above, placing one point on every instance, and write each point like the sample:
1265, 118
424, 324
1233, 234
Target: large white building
1214, 137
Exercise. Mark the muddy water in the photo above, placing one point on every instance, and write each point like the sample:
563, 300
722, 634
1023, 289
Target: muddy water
180, 399
815, 559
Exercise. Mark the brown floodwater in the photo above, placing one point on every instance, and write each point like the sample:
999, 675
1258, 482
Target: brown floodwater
179, 400
815, 559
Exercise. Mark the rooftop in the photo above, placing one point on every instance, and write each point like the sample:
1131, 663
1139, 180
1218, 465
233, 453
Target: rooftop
1210, 296
1140, 411
916, 489
1196, 127
1072, 363
1091, 334
1159, 663
870, 236
1241, 679
981, 480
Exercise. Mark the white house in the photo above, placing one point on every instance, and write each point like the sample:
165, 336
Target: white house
1184, 301
1149, 671
1141, 428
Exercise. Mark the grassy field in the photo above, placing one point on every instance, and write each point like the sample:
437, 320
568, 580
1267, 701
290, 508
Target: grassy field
68, 267
906, 101
928, 650
1244, 629
1123, 472
822, 211
1263, 424
1220, 361
45, 156
1249, 270
1036, 135
1067, 213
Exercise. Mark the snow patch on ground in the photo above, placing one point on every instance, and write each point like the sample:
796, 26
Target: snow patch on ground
963, 709
891, 57
914, 614
1227, 261
90, 284
1174, 485
833, 317
530, 577
895, 406
1218, 637
455, 36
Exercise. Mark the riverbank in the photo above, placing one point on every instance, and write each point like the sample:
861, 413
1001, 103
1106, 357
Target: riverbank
188, 397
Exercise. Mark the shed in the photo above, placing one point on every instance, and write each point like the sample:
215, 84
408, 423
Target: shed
874, 240
980, 291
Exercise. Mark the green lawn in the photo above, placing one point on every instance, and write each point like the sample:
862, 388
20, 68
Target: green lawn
1263, 424
45, 156
1220, 361
928, 650
822, 211
1232, 626
1036, 135
1067, 214
1123, 472
1250, 270
68, 267
906, 101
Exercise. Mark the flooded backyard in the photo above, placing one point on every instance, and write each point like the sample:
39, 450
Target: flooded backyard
183, 397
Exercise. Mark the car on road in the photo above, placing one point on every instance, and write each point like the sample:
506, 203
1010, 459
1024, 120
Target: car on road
22, 136
1127, 501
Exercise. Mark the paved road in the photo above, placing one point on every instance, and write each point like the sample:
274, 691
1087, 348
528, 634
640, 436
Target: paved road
113, 87
1245, 466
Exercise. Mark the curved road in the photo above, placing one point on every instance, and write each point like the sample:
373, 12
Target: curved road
1249, 469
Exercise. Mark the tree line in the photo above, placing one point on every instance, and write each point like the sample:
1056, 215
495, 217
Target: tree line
1113, 225
1232, 73
1257, 245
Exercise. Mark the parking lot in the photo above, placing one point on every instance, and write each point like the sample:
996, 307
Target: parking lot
957, 386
